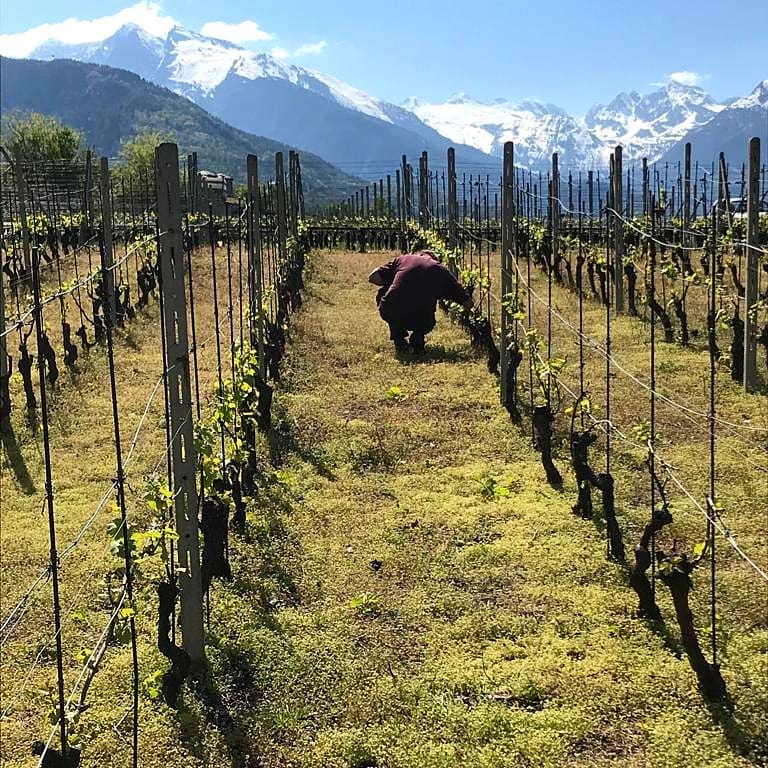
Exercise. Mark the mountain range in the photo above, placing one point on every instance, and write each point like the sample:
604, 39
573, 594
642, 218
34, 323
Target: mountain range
655, 126
366, 136
256, 92
110, 105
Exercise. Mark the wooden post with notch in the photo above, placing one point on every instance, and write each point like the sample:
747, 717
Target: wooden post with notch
255, 278
424, 190
453, 210
407, 202
618, 233
282, 234
507, 241
398, 197
183, 454
751, 294
645, 188
86, 222
553, 207
108, 273
3, 345
686, 191
21, 197
724, 202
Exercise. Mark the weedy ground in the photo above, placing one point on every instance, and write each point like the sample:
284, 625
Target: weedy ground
409, 591
83, 467
427, 600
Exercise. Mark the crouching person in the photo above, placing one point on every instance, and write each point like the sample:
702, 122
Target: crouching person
409, 288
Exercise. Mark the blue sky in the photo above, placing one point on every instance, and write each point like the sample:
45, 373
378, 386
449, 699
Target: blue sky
569, 53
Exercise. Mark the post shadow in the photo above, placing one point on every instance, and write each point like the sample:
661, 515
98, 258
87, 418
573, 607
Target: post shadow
16, 460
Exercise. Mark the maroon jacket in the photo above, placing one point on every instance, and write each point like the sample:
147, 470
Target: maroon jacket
413, 283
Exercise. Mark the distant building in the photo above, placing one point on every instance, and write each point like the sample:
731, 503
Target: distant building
214, 188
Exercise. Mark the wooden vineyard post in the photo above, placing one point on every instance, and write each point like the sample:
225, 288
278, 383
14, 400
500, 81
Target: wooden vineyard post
724, 202
507, 240
618, 233
645, 188
188, 181
381, 197
21, 192
4, 403
452, 210
280, 189
293, 177
255, 279
4, 406
184, 457
751, 295
424, 190
687, 192
553, 206
108, 275
398, 196
85, 223
407, 203
299, 190
195, 184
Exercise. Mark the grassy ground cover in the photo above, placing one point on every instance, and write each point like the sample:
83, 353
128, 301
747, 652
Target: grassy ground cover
426, 598
409, 591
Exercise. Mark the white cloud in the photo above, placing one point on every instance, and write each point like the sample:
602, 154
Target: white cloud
147, 15
243, 32
144, 14
302, 50
687, 78
308, 48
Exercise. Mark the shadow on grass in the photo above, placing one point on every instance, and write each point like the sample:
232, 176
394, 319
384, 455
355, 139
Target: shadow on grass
213, 710
311, 293
283, 441
277, 549
228, 691
743, 741
437, 353
16, 460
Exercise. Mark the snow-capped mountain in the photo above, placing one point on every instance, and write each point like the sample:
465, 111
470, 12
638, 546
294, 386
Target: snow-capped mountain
729, 130
258, 93
192, 64
537, 129
129, 48
645, 125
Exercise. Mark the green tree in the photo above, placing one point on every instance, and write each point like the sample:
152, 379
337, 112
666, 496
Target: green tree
36, 137
137, 154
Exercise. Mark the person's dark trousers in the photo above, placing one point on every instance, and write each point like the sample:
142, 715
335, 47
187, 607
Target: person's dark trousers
398, 335
417, 334
417, 341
